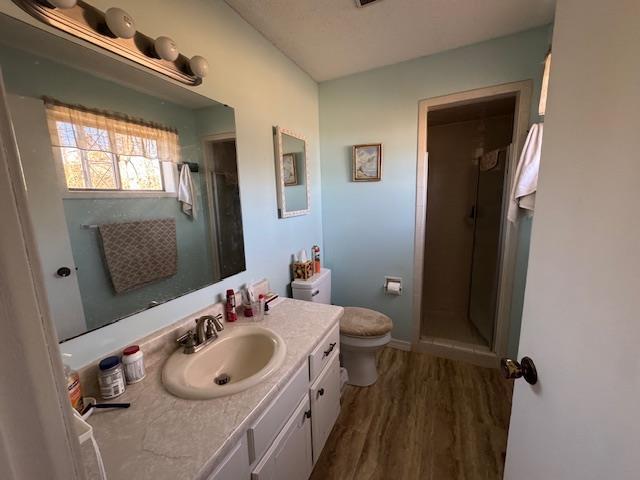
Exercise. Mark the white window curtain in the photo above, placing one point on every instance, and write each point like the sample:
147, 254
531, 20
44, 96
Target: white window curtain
75, 126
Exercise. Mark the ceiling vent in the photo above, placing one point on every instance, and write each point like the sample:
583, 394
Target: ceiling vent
364, 3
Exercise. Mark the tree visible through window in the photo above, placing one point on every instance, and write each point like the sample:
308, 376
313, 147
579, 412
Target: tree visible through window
105, 151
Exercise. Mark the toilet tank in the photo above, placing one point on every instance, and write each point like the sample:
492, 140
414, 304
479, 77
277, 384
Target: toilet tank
316, 289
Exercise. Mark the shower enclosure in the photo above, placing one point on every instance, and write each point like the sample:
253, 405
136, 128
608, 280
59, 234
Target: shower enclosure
468, 148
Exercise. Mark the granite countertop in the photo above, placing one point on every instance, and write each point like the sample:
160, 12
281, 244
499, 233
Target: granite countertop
164, 437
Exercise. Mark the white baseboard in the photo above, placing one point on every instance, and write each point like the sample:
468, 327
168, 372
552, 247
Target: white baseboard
400, 345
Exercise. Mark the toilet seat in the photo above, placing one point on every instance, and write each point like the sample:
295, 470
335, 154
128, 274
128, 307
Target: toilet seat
364, 322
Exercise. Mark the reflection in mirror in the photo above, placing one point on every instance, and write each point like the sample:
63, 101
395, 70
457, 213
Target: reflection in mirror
292, 177
132, 184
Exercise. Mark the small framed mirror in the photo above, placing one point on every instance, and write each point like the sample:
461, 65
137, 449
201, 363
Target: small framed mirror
292, 173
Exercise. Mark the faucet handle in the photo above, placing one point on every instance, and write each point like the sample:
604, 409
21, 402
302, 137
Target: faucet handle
217, 322
187, 341
210, 329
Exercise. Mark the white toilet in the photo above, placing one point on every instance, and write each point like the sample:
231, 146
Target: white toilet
362, 331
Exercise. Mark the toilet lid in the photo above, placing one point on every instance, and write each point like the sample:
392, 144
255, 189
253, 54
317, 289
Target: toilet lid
363, 322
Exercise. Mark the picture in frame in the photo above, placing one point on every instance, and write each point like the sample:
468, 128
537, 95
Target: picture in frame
367, 162
290, 172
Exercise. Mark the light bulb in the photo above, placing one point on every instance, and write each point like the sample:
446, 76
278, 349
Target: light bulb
120, 23
199, 66
166, 48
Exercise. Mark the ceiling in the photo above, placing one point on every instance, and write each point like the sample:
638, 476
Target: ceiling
333, 38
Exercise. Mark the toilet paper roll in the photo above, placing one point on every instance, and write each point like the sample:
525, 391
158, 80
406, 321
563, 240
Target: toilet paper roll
394, 288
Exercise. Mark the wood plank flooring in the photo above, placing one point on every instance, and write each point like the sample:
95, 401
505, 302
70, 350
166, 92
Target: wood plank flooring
426, 418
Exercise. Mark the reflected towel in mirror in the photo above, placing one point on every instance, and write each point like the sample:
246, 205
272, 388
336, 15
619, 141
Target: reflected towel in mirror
138, 253
186, 193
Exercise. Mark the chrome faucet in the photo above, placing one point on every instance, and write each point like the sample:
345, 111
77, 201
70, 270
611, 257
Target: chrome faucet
206, 331
207, 327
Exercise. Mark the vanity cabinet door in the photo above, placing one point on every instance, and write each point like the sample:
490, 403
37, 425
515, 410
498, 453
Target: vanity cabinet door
289, 457
235, 465
325, 404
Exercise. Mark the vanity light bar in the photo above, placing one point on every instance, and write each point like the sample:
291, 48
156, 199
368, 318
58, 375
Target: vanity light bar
115, 31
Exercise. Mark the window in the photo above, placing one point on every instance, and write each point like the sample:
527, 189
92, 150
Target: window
104, 151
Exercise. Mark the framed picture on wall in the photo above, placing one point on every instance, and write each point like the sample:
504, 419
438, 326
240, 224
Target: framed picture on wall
289, 168
367, 162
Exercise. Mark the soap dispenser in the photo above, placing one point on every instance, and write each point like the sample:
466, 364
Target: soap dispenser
73, 386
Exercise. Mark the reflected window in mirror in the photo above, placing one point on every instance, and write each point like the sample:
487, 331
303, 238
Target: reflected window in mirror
291, 173
109, 151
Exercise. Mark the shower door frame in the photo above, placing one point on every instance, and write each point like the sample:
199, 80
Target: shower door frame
522, 91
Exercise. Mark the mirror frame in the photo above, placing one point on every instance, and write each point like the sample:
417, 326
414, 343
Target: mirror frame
282, 204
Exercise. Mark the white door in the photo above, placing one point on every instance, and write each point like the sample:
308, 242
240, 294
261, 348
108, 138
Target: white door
581, 322
47, 213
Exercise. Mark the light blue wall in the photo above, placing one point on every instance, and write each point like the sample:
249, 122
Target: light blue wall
212, 120
369, 227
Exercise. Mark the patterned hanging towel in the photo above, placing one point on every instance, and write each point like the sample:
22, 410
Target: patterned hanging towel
139, 253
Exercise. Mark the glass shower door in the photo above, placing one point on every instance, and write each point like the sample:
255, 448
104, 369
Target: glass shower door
490, 195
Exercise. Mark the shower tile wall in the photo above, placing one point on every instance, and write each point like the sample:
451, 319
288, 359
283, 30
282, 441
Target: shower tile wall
449, 230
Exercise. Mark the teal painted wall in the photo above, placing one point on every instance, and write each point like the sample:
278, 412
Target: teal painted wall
369, 227
33, 76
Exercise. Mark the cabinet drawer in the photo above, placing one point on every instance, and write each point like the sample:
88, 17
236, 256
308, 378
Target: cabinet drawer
322, 353
290, 455
235, 465
325, 404
267, 426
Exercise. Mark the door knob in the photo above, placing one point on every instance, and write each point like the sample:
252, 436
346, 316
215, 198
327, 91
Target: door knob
511, 369
63, 272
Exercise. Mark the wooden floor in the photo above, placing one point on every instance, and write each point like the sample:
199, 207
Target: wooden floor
426, 418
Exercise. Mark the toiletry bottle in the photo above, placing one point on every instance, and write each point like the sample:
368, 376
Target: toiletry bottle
111, 378
73, 387
262, 302
249, 301
133, 364
230, 308
316, 258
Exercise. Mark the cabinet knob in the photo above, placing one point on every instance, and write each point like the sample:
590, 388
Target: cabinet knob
320, 392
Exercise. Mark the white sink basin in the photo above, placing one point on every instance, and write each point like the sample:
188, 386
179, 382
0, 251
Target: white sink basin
247, 354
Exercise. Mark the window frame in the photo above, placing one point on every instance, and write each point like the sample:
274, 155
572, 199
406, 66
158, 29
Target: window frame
168, 173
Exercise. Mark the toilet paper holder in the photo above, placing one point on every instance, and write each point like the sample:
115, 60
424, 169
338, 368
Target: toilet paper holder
392, 285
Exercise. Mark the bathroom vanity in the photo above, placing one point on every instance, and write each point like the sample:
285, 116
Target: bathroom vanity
274, 430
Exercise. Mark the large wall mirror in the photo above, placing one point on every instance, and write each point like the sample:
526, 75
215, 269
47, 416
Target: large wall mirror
292, 173
132, 181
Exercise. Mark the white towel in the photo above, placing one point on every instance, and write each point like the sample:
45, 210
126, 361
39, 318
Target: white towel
523, 193
186, 193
